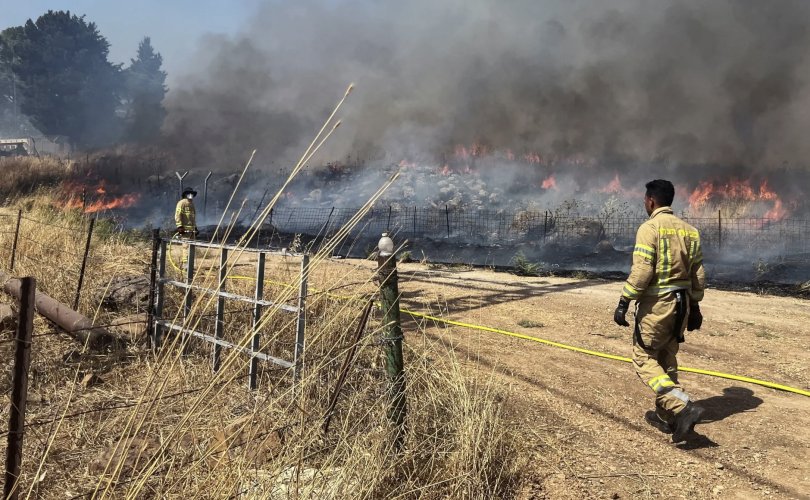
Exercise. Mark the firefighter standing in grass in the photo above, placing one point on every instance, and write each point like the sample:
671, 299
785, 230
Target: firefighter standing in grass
185, 217
667, 282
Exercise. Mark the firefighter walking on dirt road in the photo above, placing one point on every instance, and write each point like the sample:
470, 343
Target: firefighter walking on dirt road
667, 282
185, 216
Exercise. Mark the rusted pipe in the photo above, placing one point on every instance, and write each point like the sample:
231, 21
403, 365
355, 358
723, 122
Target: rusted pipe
74, 324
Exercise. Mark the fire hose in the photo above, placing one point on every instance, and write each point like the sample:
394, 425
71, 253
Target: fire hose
415, 314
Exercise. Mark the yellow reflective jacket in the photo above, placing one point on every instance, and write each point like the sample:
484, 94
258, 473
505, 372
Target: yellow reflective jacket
185, 216
667, 257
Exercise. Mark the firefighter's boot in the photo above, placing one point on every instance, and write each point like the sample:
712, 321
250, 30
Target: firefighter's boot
653, 419
685, 421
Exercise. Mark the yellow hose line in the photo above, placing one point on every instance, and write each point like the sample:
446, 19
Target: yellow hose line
598, 354
700, 371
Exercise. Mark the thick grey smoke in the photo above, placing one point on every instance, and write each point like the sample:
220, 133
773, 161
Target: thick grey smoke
686, 82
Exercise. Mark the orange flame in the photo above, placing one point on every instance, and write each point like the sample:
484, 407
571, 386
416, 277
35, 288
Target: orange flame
615, 186
76, 193
549, 182
778, 212
124, 201
738, 190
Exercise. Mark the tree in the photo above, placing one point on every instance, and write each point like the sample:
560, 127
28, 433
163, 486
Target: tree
65, 84
8, 84
145, 90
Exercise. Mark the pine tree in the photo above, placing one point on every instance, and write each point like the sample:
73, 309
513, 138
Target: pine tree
146, 88
64, 81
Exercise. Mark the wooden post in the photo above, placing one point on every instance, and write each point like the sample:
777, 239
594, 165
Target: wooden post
253, 370
413, 236
392, 336
157, 334
19, 392
84, 264
14, 242
545, 225
388, 226
220, 324
447, 217
719, 230
302, 320
153, 267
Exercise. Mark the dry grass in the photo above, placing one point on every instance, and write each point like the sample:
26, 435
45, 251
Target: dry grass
163, 426
22, 175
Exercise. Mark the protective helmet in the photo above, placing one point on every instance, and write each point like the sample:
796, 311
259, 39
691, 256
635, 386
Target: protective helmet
189, 191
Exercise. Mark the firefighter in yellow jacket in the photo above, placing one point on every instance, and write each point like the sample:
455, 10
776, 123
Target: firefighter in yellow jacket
667, 282
185, 217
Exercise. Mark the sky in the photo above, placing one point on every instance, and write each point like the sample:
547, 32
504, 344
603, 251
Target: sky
175, 26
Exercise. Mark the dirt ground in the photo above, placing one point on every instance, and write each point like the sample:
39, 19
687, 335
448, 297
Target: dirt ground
583, 416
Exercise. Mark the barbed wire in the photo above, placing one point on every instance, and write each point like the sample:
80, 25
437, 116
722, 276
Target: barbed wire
51, 224
49, 247
43, 264
124, 406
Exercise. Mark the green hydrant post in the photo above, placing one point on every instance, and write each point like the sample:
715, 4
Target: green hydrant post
392, 336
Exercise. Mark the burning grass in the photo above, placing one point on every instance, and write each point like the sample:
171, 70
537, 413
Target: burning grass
132, 423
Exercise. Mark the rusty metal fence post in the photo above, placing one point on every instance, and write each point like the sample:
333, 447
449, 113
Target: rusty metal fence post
160, 293
188, 302
153, 268
84, 264
719, 231
253, 370
205, 195
14, 242
219, 327
180, 178
19, 393
301, 324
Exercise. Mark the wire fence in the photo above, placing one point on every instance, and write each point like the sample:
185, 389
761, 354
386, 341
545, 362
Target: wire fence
53, 252
754, 236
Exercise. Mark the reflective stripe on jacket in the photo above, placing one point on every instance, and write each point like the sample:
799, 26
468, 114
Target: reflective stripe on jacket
185, 216
667, 257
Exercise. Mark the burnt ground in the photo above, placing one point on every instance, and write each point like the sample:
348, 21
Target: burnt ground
581, 417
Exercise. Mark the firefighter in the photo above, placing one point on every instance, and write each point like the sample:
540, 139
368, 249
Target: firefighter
666, 282
185, 217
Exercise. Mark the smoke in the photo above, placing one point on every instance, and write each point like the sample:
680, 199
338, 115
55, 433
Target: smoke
684, 82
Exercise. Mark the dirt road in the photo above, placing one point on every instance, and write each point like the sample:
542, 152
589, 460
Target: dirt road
582, 417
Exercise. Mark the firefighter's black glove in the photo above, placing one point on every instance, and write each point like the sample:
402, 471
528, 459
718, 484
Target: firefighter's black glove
180, 231
695, 320
621, 312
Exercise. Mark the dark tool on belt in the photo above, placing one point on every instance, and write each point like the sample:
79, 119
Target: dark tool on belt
637, 331
680, 314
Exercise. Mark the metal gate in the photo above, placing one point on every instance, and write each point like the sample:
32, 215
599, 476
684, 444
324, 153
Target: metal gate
159, 325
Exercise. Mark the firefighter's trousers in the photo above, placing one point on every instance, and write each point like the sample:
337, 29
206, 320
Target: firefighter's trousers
655, 347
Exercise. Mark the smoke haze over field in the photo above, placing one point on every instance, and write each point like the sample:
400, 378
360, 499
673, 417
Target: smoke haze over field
721, 82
